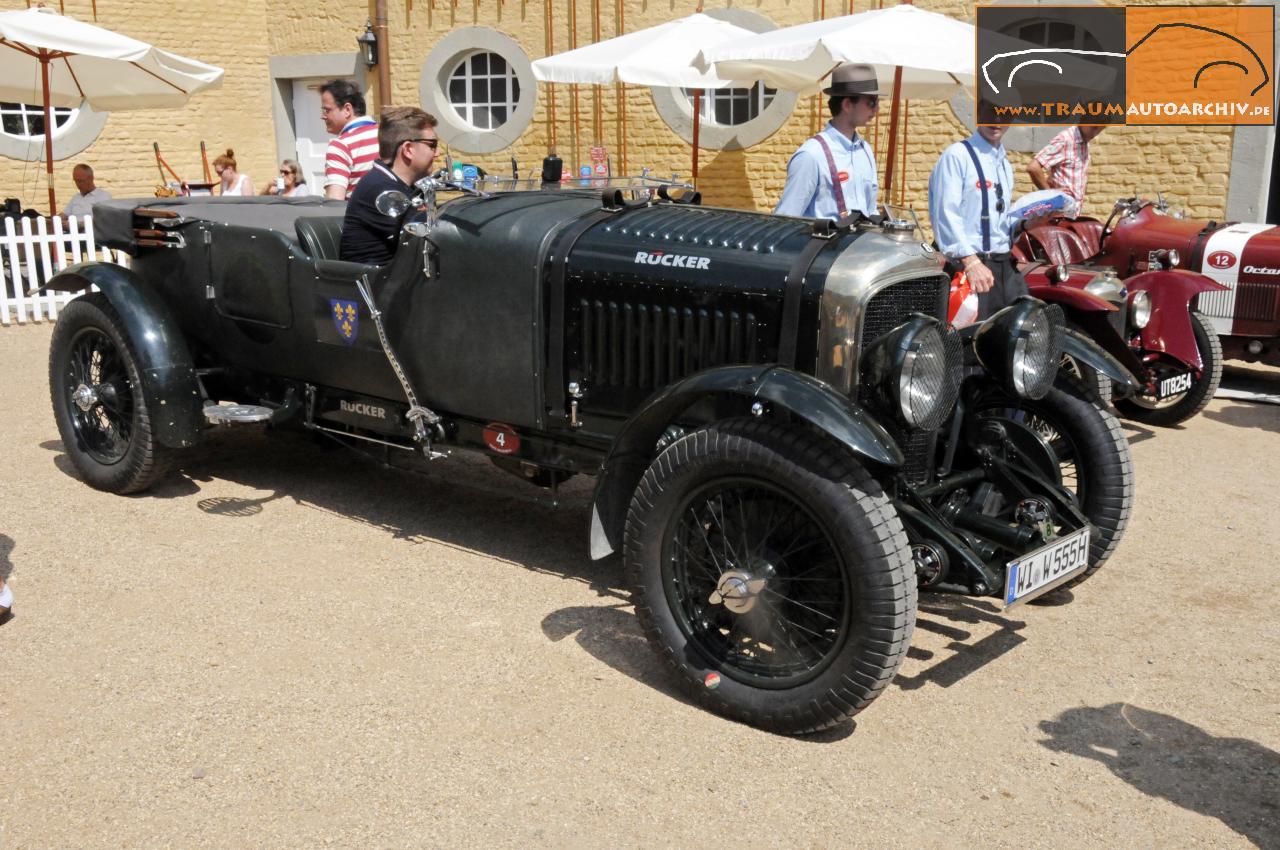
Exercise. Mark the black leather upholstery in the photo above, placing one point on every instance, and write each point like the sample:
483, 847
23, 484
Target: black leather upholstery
321, 236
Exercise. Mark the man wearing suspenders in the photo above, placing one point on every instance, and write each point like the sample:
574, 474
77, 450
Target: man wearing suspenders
969, 190
833, 174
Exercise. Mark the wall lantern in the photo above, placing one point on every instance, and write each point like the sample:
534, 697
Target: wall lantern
368, 42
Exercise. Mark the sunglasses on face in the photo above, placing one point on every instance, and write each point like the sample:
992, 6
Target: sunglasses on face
434, 144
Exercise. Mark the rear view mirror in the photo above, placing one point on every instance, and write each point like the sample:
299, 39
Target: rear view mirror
392, 203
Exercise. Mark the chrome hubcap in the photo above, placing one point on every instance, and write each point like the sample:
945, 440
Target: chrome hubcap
85, 397
738, 591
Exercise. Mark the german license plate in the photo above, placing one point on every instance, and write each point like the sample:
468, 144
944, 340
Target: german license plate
1047, 567
1174, 384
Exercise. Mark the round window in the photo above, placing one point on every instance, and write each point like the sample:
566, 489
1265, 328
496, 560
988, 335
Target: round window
732, 107
22, 130
484, 90
26, 121
729, 119
479, 84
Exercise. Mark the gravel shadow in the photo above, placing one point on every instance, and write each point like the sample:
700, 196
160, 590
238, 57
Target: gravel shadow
1234, 780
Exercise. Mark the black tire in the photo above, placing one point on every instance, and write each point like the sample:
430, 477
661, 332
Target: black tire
1182, 406
109, 440
1086, 381
1093, 458
787, 491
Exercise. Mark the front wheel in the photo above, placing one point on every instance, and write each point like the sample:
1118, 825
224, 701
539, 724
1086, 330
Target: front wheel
1181, 406
98, 402
1093, 461
771, 574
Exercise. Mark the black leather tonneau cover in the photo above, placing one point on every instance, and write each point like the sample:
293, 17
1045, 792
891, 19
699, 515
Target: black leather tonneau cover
113, 220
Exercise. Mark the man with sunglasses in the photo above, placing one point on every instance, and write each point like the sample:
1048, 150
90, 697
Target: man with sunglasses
969, 190
406, 148
833, 174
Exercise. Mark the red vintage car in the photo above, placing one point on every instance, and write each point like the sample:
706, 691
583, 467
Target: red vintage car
1133, 284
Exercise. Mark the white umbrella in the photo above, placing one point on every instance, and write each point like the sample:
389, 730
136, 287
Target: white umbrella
661, 55
935, 52
68, 62
926, 55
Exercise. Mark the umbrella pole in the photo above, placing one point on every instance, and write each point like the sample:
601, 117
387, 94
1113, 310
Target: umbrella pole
48, 132
893, 132
697, 122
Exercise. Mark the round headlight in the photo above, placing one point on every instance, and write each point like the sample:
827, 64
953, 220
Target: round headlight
1139, 309
1020, 346
914, 372
1174, 258
922, 378
1031, 362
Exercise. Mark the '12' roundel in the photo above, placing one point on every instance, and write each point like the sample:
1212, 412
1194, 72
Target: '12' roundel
1221, 260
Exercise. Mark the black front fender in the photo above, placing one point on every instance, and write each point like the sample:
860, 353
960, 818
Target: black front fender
164, 362
1091, 354
799, 394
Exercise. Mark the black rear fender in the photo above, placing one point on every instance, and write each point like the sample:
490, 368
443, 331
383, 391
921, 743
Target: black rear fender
777, 388
164, 361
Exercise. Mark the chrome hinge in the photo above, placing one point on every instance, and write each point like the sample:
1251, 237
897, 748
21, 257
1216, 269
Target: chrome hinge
575, 396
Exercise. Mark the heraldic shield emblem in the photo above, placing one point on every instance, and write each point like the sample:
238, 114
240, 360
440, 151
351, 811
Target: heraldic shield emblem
346, 318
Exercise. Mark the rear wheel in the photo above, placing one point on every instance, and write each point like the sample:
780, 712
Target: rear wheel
771, 574
1093, 460
1180, 407
98, 401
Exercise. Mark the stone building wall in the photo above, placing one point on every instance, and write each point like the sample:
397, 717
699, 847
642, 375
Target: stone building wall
1189, 164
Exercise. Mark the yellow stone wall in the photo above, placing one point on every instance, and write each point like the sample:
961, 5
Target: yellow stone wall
231, 34
1189, 164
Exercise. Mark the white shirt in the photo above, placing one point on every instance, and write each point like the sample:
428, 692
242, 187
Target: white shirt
82, 205
809, 191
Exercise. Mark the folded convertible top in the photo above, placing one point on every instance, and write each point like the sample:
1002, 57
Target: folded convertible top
114, 224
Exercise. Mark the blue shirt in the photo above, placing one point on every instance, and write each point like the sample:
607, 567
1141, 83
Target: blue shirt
955, 198
809, 190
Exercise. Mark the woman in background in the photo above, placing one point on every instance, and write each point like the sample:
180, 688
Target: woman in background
233, 182
290, 183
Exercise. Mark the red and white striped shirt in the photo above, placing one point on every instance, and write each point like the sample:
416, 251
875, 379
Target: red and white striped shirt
1066, 158
350, 156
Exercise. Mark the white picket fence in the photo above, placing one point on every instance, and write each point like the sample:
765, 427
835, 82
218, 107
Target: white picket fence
33, 253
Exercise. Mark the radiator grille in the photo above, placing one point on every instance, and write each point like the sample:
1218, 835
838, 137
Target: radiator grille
625, 344
890, 306
885, 311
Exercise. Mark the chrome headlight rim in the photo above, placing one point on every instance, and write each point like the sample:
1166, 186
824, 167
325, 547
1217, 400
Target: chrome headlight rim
914, 371
1021, 346
1140, 307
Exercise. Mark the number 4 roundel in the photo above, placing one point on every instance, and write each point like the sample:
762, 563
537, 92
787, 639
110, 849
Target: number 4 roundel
501, 438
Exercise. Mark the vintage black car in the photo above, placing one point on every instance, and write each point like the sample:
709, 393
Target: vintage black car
788, 439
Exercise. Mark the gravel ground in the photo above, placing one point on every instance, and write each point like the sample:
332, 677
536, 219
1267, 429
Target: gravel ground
284, 646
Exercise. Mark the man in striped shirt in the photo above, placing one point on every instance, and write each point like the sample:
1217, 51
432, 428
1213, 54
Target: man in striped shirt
350, 156
1063, 164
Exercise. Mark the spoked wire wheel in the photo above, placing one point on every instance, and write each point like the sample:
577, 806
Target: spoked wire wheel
98, 400
757, 583
771, 574
96, 382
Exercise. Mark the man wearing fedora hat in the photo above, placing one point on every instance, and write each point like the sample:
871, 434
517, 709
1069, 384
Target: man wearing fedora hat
833, 174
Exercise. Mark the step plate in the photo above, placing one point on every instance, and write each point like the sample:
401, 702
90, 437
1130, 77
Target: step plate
222, 414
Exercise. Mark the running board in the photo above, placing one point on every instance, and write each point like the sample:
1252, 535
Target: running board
227, 414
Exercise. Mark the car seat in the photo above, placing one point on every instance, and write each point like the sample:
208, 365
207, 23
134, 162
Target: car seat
320, 236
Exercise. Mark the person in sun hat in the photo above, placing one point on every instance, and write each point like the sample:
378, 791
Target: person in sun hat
833, 174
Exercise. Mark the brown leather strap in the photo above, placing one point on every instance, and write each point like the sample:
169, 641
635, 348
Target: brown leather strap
836, 188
